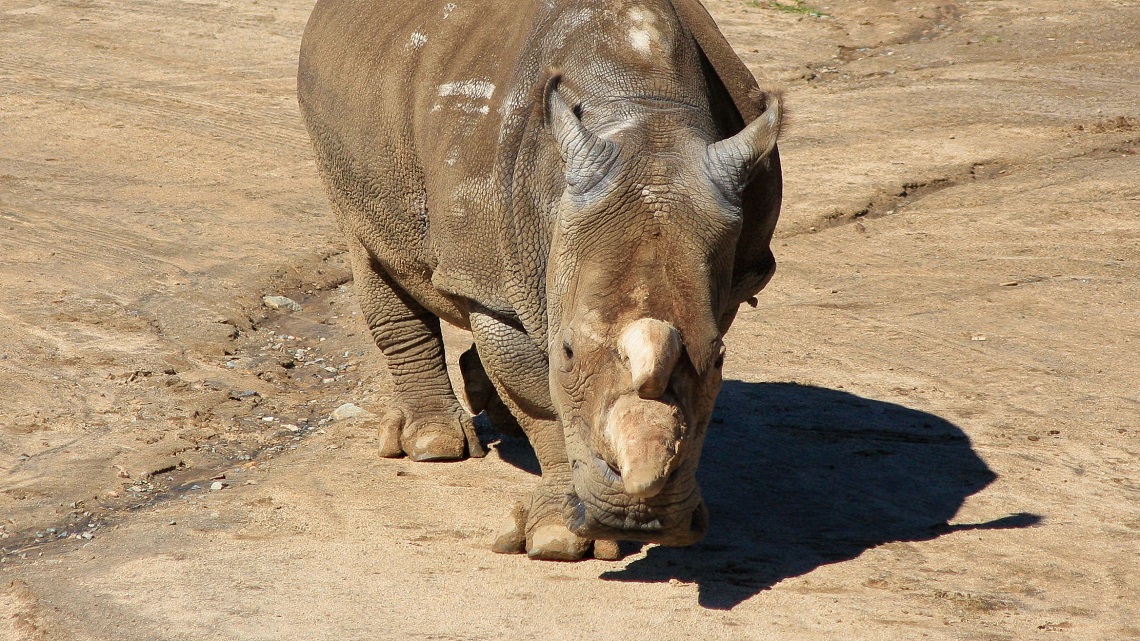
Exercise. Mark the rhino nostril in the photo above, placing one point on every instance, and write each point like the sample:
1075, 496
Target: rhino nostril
613, 470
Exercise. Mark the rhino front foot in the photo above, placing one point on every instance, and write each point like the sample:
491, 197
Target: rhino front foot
547, 538
607, 550
428, 437
553, 541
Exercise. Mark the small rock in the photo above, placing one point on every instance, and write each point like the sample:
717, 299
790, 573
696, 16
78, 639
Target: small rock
346, 411
281, 302
87, 535
173, 523
216, 485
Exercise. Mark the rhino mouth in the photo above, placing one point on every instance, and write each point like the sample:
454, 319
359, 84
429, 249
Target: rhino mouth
597, 509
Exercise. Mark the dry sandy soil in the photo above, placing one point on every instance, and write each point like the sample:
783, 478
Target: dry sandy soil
928, 429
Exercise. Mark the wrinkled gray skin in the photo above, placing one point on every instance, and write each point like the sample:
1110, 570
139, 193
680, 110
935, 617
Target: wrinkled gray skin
571, 182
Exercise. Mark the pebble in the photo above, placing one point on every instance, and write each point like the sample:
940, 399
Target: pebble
216, 485
346, 411
281, 302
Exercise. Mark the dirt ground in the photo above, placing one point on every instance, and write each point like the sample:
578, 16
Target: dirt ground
928, 428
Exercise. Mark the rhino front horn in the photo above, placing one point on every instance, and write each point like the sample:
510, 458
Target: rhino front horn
651, 347
732, 162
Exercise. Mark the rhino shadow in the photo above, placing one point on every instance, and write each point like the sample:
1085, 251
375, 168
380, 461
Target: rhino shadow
796, 477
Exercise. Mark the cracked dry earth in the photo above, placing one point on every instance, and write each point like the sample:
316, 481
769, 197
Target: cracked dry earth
928, 427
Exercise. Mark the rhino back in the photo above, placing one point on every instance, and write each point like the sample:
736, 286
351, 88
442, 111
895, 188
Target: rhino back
403, 103
428, 130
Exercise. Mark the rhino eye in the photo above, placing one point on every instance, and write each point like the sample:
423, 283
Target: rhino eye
567, 351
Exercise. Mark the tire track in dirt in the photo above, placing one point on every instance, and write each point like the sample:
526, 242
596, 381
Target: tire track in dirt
297, 399
263, 121
171, 112
894, 199
937, 27
20, 613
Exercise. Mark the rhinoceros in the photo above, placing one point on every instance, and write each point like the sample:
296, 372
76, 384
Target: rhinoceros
590, 187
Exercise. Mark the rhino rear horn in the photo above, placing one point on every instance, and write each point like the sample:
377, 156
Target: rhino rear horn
732, 162
588, 157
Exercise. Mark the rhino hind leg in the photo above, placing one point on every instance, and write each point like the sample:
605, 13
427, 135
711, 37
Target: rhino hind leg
482, 397
424, 420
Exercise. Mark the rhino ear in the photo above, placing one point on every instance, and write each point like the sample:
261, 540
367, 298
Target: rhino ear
732, 162
588, 158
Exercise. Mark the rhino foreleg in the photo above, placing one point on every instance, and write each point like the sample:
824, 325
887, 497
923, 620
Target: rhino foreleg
424, 420
517, 368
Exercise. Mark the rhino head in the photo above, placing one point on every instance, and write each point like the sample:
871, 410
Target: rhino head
639, 294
